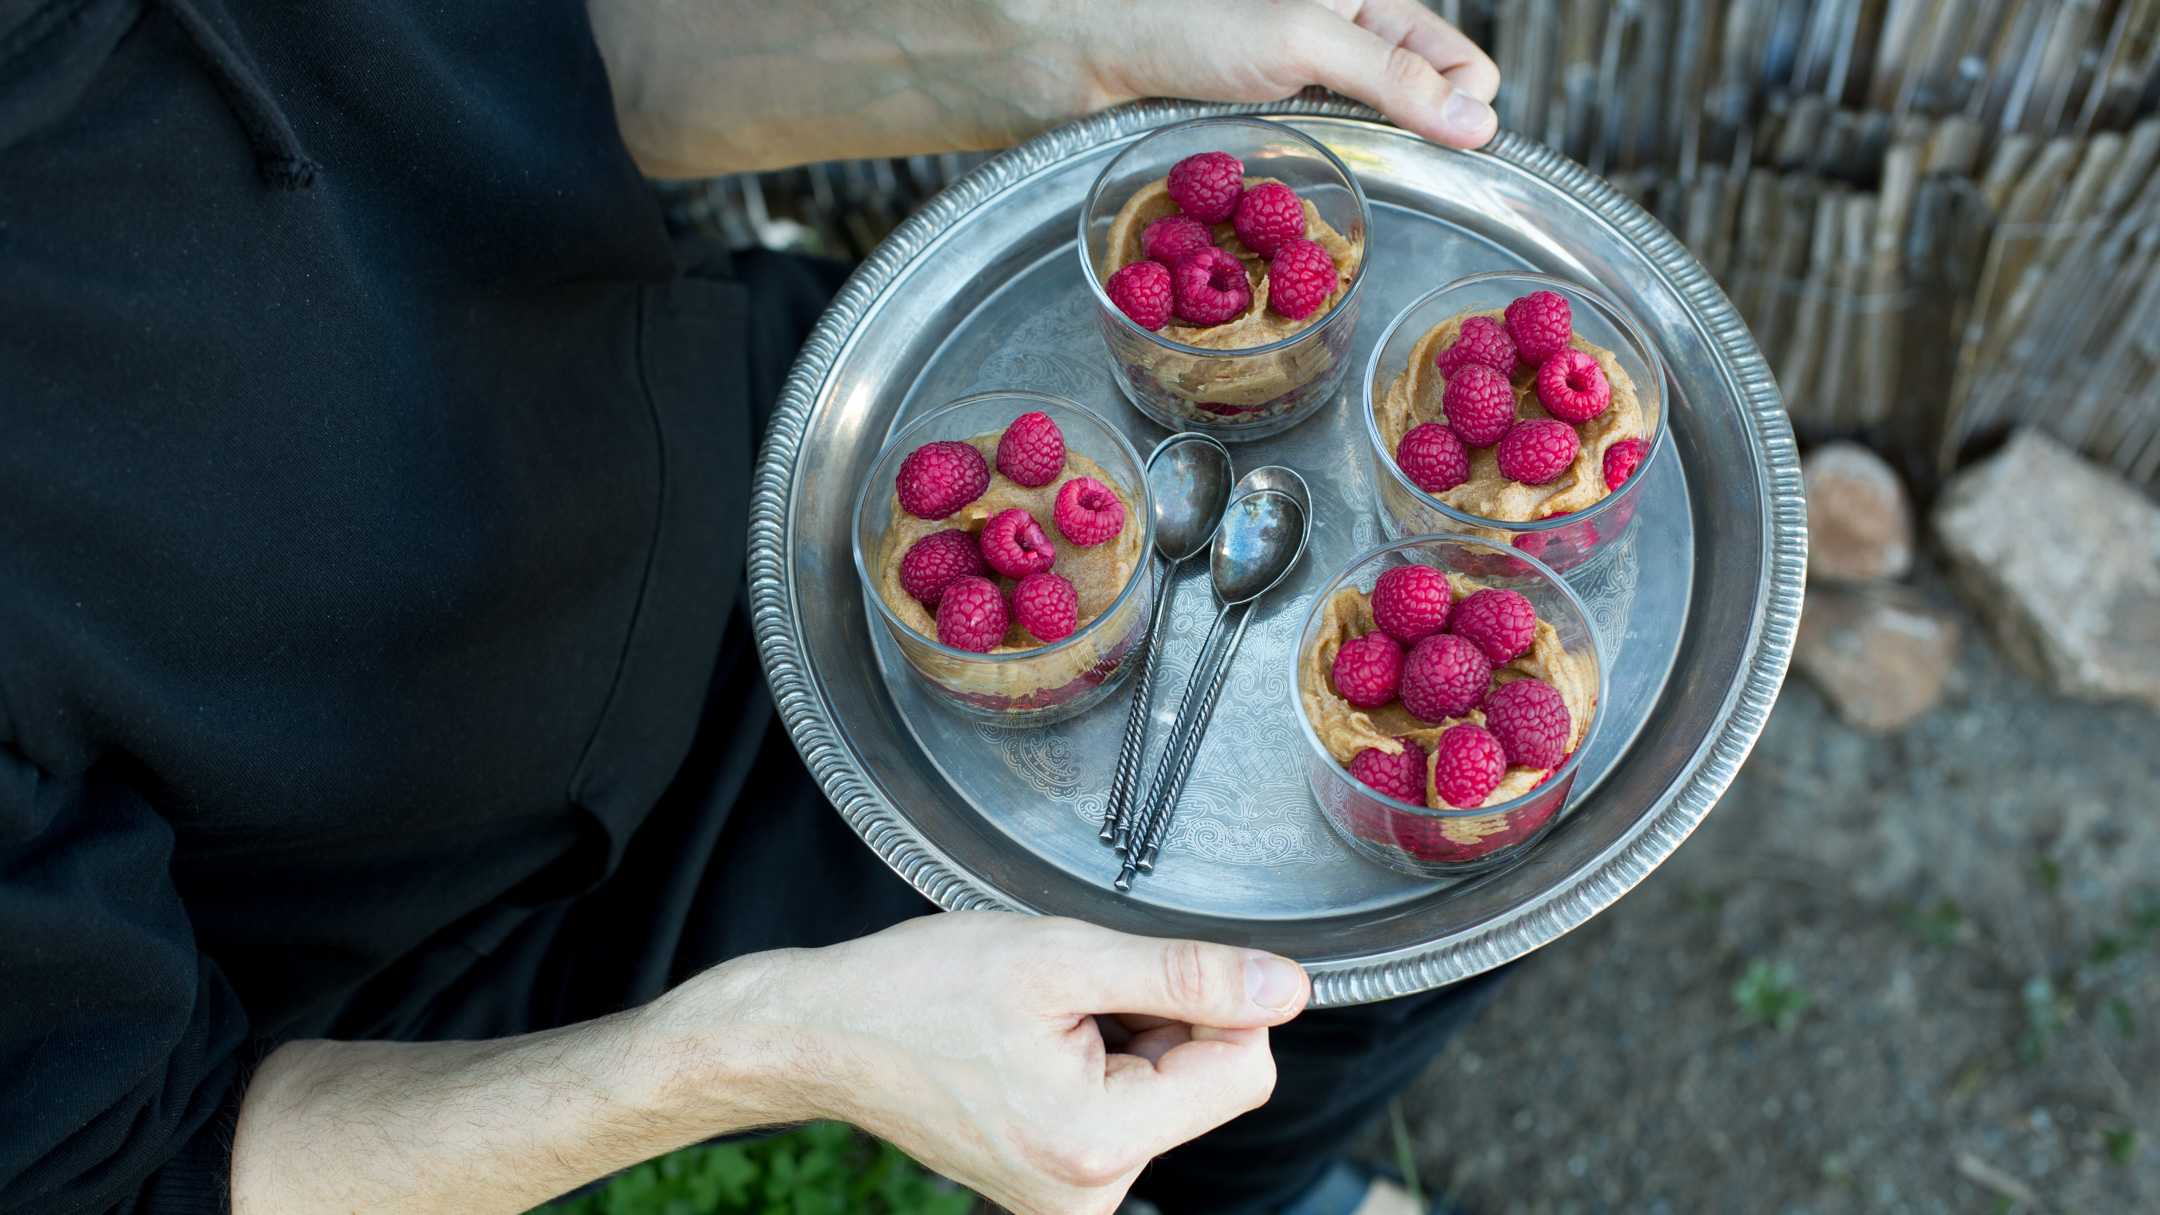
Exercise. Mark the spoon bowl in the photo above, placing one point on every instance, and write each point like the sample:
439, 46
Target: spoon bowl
1259, 541
1189, 483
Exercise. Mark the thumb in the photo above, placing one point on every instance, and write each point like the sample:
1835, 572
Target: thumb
1191, 981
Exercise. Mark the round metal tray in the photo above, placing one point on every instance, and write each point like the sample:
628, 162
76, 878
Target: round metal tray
981, 290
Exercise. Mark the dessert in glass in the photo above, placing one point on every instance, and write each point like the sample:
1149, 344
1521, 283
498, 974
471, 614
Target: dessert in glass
1515, 406
1003, 539
1225, 256
1448, 686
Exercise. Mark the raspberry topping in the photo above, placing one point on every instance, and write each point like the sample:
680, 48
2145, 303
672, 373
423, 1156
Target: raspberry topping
1269, 214
1622, 459
1047, 606
1467, 765
1032, 450
1530, 719
1210, 286
1207, 186
1087, 513
972, 616
1366, 670
1499, 622
1300, 279
939, 478
1542, 324
1411, 602
1480, 405
936, 561
1400, 776
1572, 387
1445, 676
1174, 236
1015, 545
1536, 451
1433, 458
1142, 291
1481, 340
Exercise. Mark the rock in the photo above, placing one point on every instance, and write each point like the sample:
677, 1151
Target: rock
1860, 523
2061, 559
1879, 653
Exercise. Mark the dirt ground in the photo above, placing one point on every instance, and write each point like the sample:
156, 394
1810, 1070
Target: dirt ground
1959, 926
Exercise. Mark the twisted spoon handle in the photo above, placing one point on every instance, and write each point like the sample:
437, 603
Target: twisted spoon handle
1138, 818
1125, 784
1164, 805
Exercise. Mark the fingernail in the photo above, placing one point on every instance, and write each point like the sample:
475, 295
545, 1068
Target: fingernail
1271, 982
1465, 114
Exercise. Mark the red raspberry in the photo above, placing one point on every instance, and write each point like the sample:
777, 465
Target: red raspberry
1015, 545
936, 561
1032, 450
1542, 325
1572, 387
1622, 459
1142, 291
1410, 602
1210, 286
1433, 458
937, 479
1499, 622
1207, 185
1400, 776
1480, 405
1047, 606
1087, 513
1536, 451
1469, 766
972, 615
1530, 719
1174, 236
1482, 340
1366, 670
1268, 215
1300, 279
1445, 676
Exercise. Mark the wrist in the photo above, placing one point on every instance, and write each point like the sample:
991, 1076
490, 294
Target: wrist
727, 1051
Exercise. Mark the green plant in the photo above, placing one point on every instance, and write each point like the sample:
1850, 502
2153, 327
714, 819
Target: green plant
2047, 1009
1767, 993
825, 1168
1939, 926
2122, 1143
1405, 1159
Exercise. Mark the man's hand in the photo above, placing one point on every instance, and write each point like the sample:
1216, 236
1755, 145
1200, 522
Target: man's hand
711, 86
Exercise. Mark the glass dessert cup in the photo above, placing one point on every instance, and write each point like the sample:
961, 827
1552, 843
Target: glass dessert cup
1447, 842
1028, 687
1561, 541
1231, 394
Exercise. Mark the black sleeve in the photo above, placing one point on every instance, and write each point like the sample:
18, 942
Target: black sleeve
119, 1042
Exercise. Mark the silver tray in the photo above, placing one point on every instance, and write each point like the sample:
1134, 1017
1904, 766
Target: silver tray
981, 289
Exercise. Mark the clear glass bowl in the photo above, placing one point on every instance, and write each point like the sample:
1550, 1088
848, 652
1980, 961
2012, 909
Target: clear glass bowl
1562, 541
1028, 687
1231, 394
1448, 842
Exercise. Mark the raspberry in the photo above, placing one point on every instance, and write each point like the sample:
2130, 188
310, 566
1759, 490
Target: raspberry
936, 561
1480, 405
1433, 458
1530, 719
937, 479
1410, 602
1142, 291
1536, 451
1032, 450
1445, 676
1087, 513
1572, 387
1015, 545
1541, 324
1499, 622
1268, 215
1047, 606
1468, 765
1367, 669
1210, 286
972, 616
1300, 279
1400, 776
1482, 340
1174, 236
1207, 185
1622, 459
